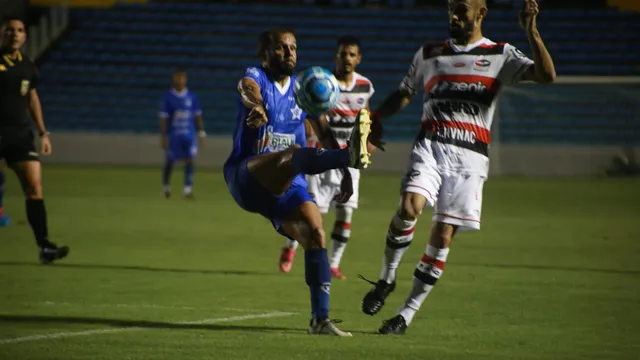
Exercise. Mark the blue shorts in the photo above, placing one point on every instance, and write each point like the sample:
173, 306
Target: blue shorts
255, 198
182, 148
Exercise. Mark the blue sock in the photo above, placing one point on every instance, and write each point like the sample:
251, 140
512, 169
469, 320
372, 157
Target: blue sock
166, 172
316, 161
318, 276
189, 169
1, 188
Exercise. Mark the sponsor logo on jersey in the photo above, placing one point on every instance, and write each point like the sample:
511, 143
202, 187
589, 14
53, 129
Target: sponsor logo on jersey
439, 108
482, 65
457, 134
24, 87
459, 65
461, 86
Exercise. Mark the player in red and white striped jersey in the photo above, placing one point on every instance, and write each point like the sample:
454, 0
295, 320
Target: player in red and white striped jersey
460, 80
355, 92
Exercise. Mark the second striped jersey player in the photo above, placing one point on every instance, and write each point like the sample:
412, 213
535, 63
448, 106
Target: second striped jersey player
355, 92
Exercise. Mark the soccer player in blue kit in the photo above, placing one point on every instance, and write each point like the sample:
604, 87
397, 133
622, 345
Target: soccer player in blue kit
263, 171
181, 131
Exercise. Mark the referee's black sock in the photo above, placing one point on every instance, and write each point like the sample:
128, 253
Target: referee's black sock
37, 215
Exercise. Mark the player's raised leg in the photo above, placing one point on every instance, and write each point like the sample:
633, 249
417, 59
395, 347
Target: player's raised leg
29, 174
305, 225
276, 171
4, 218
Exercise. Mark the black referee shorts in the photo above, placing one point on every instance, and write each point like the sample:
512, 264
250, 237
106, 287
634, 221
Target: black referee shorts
17, 145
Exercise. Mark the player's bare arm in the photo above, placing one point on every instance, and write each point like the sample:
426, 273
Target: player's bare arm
394, 103
249, 91
327, 139
390, 106
543, 71
35, 109
200, 127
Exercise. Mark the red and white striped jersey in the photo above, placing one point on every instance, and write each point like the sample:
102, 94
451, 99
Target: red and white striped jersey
353, 98
461, 86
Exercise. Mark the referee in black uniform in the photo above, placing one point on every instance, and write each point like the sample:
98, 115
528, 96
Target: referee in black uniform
17, 94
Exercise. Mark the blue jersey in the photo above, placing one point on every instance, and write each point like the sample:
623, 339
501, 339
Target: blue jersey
180, 109
285, 126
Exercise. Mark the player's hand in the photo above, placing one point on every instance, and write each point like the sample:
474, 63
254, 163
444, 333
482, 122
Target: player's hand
257, 117
164, 143
371, 148
346, 187
45, 145
201, 136
375, 137
527, 17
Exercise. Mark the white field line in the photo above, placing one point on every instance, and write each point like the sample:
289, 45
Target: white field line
134, 306
61, 335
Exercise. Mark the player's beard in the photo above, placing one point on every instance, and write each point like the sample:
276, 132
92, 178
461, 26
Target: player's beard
462, 34
282, 68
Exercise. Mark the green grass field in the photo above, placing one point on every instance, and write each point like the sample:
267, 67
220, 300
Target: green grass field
554, 274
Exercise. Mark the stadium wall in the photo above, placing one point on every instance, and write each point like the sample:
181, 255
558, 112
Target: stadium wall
506, 159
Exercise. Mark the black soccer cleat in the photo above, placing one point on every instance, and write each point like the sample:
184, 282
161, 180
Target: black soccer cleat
51, 252
374, 300
394, 326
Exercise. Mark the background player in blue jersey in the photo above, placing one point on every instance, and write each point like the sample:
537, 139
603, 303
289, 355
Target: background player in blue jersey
182, 130
268, 156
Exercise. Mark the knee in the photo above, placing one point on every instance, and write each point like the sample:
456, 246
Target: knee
318, 238
411, 207
442, 235
33, 190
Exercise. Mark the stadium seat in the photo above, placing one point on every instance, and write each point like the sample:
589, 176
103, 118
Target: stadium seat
110, 71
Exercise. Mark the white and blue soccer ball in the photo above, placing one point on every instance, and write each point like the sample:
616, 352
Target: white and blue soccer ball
316, 90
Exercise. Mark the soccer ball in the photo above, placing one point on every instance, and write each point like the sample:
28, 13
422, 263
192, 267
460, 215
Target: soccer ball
316, 90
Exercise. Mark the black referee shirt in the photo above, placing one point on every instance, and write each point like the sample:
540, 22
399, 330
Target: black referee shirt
17, 77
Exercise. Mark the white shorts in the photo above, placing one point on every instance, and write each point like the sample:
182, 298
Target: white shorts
455, 195
324, 187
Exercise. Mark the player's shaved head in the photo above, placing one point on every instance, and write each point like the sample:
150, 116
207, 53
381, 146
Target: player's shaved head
465, 19
476, 4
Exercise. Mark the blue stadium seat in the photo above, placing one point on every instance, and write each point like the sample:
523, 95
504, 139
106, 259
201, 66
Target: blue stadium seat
109, 73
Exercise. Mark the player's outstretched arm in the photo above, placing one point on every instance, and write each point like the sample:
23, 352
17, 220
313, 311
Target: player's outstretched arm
543, 70
35, 109
395, 102
249, 91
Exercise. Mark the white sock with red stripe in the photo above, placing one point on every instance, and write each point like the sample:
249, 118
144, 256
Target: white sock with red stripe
427, 273
340, 235
291, 244
399, 238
